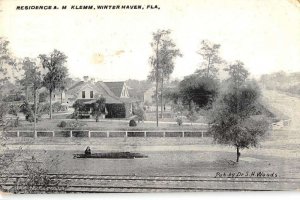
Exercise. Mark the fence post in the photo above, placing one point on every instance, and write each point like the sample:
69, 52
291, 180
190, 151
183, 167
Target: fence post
53, 134
202, 134
145, 134
164, 134
107, 134
182, 133
71, 133
126, 134
18, 133
89, 134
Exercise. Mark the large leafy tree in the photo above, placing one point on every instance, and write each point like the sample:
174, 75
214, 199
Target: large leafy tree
162, 62
234, 119
32, 79
5, 57
237, 74
7, 61
200, 90
56, 72
211, 59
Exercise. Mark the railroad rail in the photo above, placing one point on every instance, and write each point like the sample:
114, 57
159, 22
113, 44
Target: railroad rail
79, 183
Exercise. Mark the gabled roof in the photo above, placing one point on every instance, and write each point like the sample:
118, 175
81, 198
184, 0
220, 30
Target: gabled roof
100, 87
76, 85
115, 87
106, 88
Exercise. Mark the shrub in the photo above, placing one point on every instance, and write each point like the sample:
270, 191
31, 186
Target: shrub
74, 124
132, 123
140, 113
14, 109
45, 108
56, 107
78, 105
27, 110
14, 97
62, 124
179, 121
43, 97
99, 108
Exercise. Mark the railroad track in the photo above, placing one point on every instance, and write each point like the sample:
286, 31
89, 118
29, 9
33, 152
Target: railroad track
78, 183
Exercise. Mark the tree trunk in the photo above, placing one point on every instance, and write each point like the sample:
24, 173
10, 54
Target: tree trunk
26, 93
156, 77
156, 101
50, 113
161, 97
238, 154
35, 112
208, 66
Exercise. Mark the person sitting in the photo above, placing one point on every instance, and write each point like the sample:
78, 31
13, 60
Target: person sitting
88, 151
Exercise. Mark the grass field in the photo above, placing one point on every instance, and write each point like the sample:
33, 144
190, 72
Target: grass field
166, 156
90, 124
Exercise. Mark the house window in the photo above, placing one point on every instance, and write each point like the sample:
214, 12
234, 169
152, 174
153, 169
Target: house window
83, 94
91, 94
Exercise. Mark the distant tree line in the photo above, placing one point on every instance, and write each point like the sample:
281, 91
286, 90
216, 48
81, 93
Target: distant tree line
282, 81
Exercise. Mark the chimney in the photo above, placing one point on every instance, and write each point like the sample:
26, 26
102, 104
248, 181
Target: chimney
85, 78
92, 80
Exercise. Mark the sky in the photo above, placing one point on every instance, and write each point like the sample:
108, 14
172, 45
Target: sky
114, 45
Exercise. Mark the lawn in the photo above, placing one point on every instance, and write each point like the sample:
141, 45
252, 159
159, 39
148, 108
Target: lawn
173, 157
90, 124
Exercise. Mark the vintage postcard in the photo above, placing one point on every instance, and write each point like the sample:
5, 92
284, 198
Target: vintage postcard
149, 96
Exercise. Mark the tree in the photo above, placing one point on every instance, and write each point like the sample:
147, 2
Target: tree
5, 57
211, 59
33, 80
162, 62
233, 119
140, 113
192, 113
201, 90
171, 94
99, 108
78, 105
56, 74
6, 60
237, 74
179, 108
65, 84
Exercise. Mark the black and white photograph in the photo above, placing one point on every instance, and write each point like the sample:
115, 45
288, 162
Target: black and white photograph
149, 96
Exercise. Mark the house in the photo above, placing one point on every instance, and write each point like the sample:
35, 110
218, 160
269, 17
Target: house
118, 102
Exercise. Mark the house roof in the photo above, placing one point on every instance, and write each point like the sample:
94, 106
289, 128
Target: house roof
115, 87
105, 90
76, 85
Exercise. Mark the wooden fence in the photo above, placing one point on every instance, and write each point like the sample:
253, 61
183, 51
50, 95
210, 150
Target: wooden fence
105, 134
